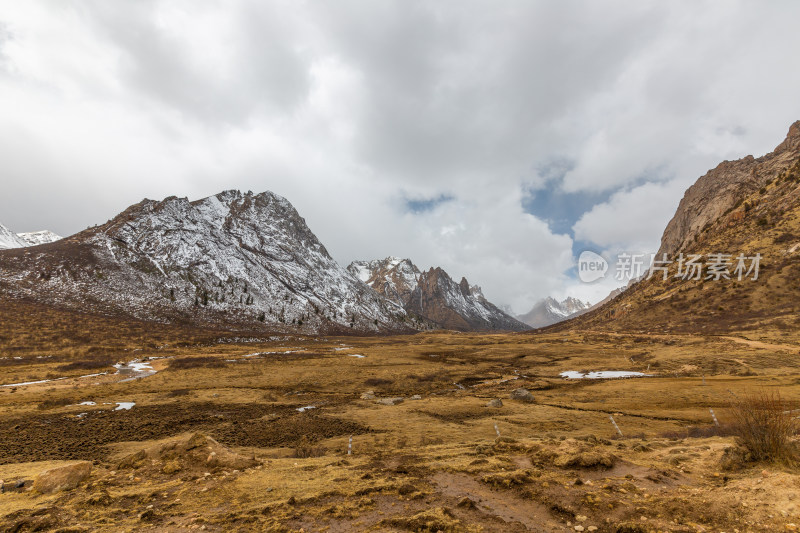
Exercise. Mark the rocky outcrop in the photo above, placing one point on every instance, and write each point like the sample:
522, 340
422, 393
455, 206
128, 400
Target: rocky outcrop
722, 190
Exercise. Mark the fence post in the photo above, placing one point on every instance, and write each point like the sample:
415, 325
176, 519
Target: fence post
615, 425
716, 422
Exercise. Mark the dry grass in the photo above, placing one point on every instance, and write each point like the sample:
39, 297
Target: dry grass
765, 425
444, 445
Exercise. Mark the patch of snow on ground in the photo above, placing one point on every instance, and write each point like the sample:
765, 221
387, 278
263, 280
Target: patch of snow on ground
124, 406
306, 408
603, 374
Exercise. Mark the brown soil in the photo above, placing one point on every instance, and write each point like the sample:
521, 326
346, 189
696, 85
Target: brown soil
62, 437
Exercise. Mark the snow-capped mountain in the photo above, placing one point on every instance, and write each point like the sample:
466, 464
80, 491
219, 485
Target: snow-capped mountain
433, 295
237, 259
550, 311
9, 239
35, 238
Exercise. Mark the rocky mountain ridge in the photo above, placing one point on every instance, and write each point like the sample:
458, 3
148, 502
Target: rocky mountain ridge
237, 259
724, 189
746, 210
434, 295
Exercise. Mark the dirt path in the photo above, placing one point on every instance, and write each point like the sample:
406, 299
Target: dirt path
509, 508
763, 345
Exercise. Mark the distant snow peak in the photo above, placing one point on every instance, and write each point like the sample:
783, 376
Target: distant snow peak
9, 239
35, 238
549, 311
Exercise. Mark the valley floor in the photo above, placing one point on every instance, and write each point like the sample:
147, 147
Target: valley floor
228, 435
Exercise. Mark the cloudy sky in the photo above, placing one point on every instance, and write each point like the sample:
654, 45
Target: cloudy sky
495, 139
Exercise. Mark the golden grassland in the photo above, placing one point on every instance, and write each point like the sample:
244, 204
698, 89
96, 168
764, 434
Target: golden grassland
435, 463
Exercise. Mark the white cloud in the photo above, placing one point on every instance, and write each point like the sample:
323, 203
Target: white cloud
349, 108
631, 220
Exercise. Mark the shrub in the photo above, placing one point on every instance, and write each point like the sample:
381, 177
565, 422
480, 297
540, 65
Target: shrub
764, 426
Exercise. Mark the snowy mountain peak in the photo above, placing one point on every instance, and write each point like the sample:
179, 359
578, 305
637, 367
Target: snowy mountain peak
9, 239
35, 238
550, 311
234, 258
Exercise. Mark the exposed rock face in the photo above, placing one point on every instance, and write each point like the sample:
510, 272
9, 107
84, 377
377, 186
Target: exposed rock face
394, 278
550, 311
434, 295
723, 189
230, 259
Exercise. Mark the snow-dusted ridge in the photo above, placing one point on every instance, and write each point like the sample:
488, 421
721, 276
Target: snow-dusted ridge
433, 295
233, 258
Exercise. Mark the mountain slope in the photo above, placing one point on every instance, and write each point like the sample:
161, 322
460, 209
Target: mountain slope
235, 259
434, 295
746, 207
550, 311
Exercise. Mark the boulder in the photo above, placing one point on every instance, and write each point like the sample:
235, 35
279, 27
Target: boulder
62, 477
369, 395
497, 402
523, 395
390, 401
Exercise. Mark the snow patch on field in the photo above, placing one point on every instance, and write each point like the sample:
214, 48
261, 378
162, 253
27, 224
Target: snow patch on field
603, 374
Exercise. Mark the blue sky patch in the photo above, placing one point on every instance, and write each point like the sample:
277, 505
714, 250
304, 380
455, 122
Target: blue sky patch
425, 205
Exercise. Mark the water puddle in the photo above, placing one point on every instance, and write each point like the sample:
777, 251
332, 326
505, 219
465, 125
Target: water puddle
603, 374
134, 370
